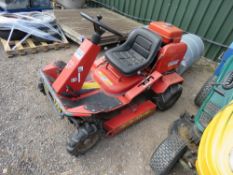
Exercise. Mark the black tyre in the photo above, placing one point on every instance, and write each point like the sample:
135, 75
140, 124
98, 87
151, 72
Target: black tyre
16, 35
40, 87
204, 91
60, 64
167, 154
168, 98
83, 139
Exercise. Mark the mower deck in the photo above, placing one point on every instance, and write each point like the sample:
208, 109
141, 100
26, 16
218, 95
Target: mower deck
93, 103
96, 103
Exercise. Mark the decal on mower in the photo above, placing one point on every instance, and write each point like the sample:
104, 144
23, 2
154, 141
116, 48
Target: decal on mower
53, 100
104, 78
73, 80
91, 85
57, 106
70, 64
134, 120
79, 54
172, 63
46, 89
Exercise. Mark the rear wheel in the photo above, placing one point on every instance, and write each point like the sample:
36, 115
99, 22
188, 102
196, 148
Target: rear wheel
204, 91
167, 99
83, 139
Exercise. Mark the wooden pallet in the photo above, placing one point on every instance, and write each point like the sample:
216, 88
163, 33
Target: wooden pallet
29, 46
76, 28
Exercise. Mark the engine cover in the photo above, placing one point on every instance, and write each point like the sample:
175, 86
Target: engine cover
168, 32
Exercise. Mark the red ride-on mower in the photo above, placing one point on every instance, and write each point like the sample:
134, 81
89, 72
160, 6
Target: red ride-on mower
111, 93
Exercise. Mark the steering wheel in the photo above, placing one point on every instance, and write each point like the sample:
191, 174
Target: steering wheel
99, 26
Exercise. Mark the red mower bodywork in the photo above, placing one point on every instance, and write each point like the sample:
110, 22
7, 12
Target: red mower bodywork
87, 88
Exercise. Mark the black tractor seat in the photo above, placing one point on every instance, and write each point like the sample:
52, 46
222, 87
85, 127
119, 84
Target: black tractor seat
137, 53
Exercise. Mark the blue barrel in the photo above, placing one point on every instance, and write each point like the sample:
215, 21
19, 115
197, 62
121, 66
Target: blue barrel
227, 54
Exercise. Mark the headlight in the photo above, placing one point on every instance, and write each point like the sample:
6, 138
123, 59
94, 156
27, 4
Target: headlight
231, 160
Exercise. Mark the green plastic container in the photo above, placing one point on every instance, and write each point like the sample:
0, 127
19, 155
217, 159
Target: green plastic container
40, 4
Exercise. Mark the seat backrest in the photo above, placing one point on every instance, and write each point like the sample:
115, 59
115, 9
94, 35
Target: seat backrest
144, 42
137, 53
170, 57
142, 46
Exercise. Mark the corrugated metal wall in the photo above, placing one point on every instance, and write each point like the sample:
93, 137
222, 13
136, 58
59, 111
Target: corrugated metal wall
211, 19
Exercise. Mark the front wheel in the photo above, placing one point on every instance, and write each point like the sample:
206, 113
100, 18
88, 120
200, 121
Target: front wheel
83, 139
167, 99
60, 65
40, 87
167, 154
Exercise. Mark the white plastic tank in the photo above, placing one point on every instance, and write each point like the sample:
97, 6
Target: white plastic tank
14, 4
194, 51
72, 4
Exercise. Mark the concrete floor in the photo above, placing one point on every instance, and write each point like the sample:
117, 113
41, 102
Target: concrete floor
33, 138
